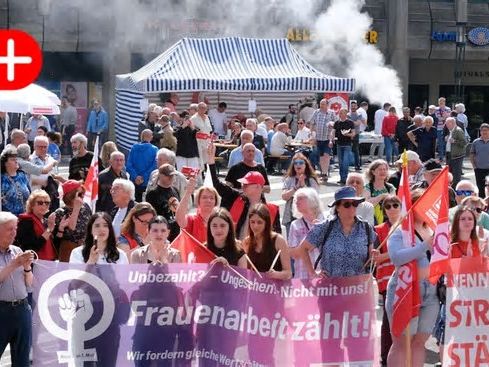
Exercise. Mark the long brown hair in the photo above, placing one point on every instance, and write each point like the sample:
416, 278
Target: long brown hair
230, 245
262, 211
455, 232
309, 171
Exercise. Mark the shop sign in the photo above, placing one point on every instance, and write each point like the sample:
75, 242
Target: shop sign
444, 36
305, 35
479, 36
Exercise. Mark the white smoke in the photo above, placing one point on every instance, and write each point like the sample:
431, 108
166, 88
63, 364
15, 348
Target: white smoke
141, 26
340, 45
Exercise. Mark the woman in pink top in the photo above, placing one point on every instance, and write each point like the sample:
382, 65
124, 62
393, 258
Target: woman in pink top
388, 132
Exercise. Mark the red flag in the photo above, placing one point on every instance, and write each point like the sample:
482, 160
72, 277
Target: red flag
191, 250
91, 181
427, 207
441, 241
406, 297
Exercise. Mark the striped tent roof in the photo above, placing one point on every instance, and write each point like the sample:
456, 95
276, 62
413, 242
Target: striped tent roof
231, 64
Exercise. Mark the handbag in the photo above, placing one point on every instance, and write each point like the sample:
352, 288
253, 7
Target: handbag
441, 289
65, 248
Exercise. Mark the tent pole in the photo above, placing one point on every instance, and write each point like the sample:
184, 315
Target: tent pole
21, 122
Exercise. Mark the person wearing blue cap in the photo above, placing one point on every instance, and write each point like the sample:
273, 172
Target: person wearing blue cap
344, 240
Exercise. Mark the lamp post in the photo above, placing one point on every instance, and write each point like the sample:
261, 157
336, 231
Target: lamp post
460, 60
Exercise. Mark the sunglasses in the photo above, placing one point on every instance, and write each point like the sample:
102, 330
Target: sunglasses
299, 162
348, 204
300, 123
40, 202
478, 210
143, 221
464, 192
388, 206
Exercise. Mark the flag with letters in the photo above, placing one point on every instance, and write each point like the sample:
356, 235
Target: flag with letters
406, 296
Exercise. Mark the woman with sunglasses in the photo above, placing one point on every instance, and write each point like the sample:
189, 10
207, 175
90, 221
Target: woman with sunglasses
421, 326
15, 185
100, 245
377, 187
134, 229
71, 221
158, 249
34, 232
464, 243
477, 205
300, 174
384, 267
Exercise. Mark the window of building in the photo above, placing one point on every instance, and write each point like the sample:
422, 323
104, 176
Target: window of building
418, 96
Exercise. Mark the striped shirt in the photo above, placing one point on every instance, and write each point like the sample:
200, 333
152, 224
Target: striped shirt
320, 122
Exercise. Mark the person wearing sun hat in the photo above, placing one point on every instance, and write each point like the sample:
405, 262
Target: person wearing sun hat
71, 221
344, 240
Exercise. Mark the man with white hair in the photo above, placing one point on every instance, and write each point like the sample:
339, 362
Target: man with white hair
116, 170
462, 120
122, 193
42, 159
163, 156
464, 189
455, 149
201, 122
236, 154
23, 158
82, 158
260, 135
15, 279
17, 137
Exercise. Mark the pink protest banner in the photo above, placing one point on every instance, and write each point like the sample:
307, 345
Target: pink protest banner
180, 314
467, 313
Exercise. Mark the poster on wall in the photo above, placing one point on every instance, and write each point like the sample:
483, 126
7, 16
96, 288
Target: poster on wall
95, 92
76, 92
337, 101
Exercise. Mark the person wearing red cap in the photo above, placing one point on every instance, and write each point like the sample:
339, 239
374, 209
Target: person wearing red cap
72, 220
239, 203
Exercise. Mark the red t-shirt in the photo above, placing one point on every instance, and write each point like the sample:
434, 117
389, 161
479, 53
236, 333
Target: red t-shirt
460, 249
196, 227
389, 125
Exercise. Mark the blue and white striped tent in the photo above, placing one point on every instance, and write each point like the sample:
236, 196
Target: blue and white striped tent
218, 64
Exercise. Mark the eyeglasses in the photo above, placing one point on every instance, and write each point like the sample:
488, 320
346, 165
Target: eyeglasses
464, 192
348, 204
478, 210
40, 202
300, 123
143, 221
41, 146
299, 162
354, 182
389, 206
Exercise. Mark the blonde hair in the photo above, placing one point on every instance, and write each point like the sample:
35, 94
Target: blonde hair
107, 149
36, 194
209, 189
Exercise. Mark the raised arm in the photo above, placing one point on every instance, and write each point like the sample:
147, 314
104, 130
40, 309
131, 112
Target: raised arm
181, 213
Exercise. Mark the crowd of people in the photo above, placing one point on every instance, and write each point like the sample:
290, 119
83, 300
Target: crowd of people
145, 200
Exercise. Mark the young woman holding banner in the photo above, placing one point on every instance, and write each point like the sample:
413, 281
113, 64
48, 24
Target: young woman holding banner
464, 242
420, 327
158, 250
221, 239
262, 245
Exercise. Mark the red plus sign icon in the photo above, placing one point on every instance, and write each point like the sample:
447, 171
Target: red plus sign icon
20, 59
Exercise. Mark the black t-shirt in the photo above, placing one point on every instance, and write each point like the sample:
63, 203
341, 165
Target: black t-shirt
79, 166
239, 170
158, 197
258, 141
343, 125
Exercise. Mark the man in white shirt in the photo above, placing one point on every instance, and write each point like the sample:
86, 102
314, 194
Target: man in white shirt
40, 158
219, 119
362, 111
280, 140
303, 133
378, 118
122, 192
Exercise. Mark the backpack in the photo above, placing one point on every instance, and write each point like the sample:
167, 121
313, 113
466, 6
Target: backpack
328, 232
